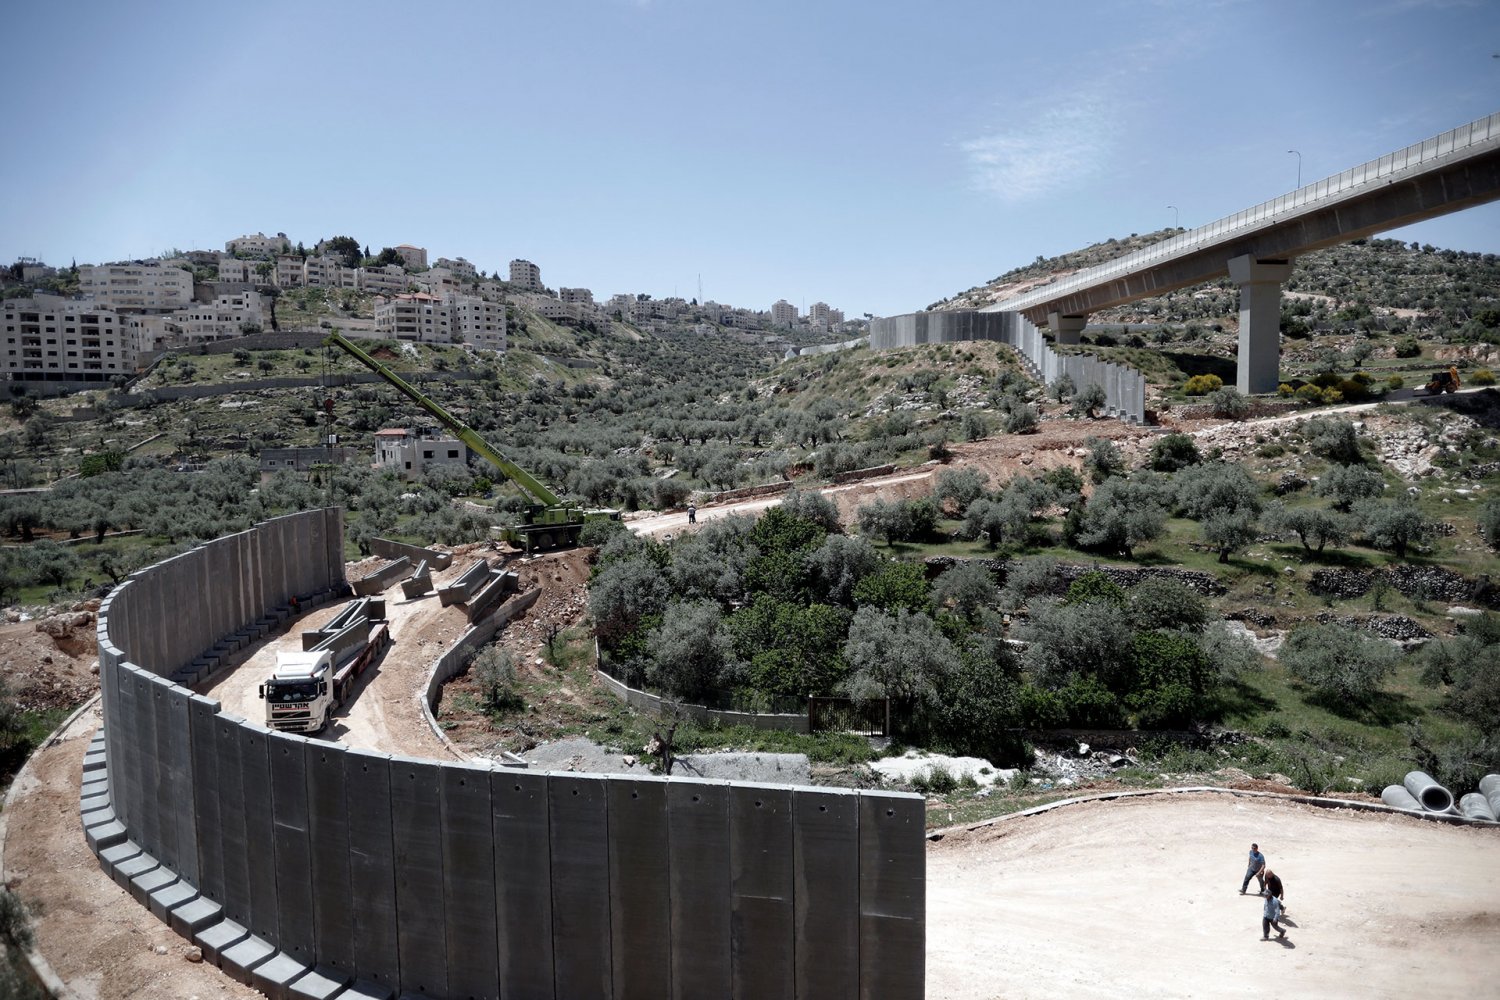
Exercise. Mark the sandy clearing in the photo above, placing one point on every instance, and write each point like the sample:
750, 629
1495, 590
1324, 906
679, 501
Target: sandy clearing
1140, 897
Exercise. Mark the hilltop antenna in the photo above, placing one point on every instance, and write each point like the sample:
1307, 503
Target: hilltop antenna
700, 289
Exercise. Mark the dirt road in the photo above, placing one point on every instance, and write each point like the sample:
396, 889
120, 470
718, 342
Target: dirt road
383, 713
1140, 898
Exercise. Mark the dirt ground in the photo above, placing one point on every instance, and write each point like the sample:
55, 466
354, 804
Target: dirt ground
1140, 898
49, 662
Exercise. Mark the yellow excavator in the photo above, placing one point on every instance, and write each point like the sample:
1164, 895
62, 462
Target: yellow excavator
1444, 381
548, 522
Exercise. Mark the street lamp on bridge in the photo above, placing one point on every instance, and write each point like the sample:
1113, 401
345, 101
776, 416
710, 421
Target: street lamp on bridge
1175, 216
1299, 168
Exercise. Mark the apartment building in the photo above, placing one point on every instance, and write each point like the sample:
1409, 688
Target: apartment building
478, 322
235, 269
388, 280
460, 267
288, 273
438, 281
49, 338
148, 285
258, 245
582, 296
147, 333
409, 452
525, 274
419, 317
413, 257
225, 317
328, 272
783, 313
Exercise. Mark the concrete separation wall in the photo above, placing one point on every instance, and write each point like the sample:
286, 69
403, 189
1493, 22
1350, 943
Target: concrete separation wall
1124, 387
378, 581
648, 702
309, 869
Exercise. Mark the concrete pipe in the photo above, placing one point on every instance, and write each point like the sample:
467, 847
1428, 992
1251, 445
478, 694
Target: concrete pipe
1433, 796
1398, 797
1476, 806
1489, 787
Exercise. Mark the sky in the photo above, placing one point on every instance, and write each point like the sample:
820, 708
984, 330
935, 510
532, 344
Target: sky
877, 156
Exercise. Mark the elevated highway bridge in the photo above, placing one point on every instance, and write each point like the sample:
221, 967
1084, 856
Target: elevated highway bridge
1255, 247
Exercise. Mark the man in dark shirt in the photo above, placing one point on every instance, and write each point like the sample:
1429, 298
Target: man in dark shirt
1273, 888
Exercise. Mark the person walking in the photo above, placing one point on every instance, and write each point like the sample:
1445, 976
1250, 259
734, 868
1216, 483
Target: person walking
1256, 869
692, 514
1274, 888
1269, 914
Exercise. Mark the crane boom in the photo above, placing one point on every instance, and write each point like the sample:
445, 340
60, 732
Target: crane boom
529, 484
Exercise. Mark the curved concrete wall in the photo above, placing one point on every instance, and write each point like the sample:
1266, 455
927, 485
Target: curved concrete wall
1124, 387
309, 869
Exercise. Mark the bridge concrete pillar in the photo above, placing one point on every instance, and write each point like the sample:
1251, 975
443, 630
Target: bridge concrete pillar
1260, 320
1066, 328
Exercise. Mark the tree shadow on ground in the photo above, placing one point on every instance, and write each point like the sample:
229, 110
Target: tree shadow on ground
1379, 708
1204, 364
1238, 699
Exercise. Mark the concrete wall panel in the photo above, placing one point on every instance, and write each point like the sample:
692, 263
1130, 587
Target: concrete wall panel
179, 773
640, 882
825, 838
163, 794
892, 897
260, 834
698, 838
468, 884
372, 866
520, 817
582, 966
233, 842
291, 823
207, 791
328, 838
145, 816
416, 819
124, 787
762, 920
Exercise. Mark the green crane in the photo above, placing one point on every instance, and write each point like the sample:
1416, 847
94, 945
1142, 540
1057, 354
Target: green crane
548, 522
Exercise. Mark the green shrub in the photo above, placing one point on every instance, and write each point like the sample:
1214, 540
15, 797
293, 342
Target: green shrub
1395, 382
1285, 391
1482, 376
1408, 347
1202, 385
1342, 664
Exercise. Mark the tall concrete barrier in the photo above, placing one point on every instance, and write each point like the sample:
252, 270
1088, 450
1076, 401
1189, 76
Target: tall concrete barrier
308, 869
1124, 387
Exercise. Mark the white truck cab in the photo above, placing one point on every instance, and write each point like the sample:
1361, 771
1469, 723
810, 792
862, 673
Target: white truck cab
299, 695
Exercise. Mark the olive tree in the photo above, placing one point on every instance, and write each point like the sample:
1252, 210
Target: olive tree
1341, 663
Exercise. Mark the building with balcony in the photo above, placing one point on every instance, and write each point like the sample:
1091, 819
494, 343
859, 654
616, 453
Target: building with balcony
388, 280
258, 245
289, 272
227, 316
460, 267
582, 296
478, 322
419, 318
141, 286
783, 313
49, 338
525, 274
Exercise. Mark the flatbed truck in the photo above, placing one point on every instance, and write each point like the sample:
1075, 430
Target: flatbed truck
306, 687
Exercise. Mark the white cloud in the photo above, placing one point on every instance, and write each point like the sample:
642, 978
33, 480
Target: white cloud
1045, 149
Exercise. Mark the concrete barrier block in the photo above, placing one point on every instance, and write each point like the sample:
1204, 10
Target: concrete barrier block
194, 916
372, 865
365, 990
183, 858
239, 960
328, 839
468, 883
892, 895
640, 882
580, 885
416, 818
761, 884
104, 836
825, 842
204, 805
274, 976
143, 885
292, 850
118, 853
234, 848
520, 815
215, 938
698, 837
138, 864
162, 901
167, 772
323, 983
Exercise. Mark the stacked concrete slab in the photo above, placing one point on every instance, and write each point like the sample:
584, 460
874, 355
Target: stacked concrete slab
1124, 387
310, 870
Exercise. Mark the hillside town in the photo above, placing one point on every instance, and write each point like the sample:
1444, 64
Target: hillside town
90, 324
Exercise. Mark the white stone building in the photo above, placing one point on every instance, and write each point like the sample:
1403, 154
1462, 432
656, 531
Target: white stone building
420, 318
438, 281
478, 322
225, 317
783, 313
413, 257
409, 452
328, 272
50, 338
388, 280
460, 267
289, 272
258, 245
582, 296
140, 285
525, 274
